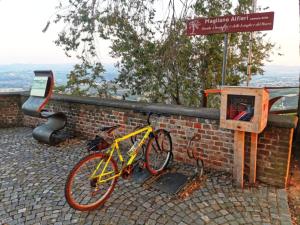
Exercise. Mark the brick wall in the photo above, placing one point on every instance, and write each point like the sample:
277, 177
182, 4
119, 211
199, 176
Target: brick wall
215, 145
87, 115
273, 155
10, 110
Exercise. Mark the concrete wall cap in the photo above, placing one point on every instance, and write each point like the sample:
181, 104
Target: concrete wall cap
284, 121
13, 93
205, 113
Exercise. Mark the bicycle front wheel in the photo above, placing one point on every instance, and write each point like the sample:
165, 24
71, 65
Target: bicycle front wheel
84, 189
159, 151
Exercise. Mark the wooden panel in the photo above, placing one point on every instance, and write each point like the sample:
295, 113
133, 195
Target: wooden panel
253, 158
239, 152
264, 110
289, 158
259, 120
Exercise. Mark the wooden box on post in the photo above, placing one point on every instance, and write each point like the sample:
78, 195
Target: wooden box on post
244, 108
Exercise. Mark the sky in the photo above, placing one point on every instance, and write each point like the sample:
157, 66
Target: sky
22, 39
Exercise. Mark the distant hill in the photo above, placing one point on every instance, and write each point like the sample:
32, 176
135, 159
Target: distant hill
21, 75
277, 76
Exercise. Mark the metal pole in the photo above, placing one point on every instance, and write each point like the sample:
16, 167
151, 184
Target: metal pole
299, 98
224, 58
249, 59
297, 131
249, 64
298, 110
203, 99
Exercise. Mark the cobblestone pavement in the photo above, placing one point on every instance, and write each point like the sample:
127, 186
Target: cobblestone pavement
32, 178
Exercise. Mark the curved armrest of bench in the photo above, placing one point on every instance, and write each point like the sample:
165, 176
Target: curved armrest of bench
31, 106
56, 121
46, 114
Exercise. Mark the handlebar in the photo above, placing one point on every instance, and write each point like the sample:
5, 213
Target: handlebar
148, 118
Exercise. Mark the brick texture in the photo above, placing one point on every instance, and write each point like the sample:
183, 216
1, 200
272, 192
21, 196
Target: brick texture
273, 155
10, 111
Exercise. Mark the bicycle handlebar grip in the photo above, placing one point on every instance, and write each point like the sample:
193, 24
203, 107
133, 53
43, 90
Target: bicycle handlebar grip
148, 119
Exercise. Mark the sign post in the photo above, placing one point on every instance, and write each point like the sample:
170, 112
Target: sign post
224, 58
230, 24
239, 123
249, 64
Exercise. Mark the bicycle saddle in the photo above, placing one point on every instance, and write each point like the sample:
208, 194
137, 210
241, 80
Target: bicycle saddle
109, 129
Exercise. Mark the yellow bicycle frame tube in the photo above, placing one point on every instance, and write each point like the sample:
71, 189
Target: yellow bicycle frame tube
115, 146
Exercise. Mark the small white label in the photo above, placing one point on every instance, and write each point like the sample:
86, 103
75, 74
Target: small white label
133, 148
39, 86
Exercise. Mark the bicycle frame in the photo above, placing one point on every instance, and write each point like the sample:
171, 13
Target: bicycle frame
115, 147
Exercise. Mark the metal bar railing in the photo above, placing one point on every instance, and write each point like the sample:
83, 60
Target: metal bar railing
284, 111
283, 87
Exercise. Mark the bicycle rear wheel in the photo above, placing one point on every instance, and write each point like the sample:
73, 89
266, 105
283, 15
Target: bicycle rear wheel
85, 193
159, 151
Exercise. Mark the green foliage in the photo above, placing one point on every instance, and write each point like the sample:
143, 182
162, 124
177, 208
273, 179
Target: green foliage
60, 89
156, 58
86, 78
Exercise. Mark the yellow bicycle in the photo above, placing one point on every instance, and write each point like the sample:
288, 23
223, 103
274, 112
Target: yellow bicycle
92, 180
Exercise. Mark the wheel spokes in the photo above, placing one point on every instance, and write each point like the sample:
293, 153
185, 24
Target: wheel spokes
82, 186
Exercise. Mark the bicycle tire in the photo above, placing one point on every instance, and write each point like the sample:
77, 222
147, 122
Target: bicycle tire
158, 145
81, 205
191, 155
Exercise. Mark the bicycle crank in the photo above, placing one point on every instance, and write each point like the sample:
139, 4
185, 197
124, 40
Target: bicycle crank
127, 171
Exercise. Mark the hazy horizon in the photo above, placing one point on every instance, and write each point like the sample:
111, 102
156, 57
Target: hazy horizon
274, 72
30, 65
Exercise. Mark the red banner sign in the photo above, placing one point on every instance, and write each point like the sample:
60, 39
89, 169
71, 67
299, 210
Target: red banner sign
231, 24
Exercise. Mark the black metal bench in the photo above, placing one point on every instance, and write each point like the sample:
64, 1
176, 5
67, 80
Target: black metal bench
40, 94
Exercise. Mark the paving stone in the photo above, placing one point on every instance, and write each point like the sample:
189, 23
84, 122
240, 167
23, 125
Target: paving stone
151, 222
33, 175
205, 218
182, 223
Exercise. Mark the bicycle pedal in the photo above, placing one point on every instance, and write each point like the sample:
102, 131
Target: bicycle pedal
127, 172
93, 182
142, 165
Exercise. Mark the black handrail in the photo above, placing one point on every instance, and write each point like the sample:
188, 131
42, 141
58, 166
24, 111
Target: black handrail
283, 87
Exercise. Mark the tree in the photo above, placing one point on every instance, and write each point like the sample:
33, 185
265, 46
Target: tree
156, 58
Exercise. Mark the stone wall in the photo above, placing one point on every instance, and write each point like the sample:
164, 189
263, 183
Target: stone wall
10, 110
87, 115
